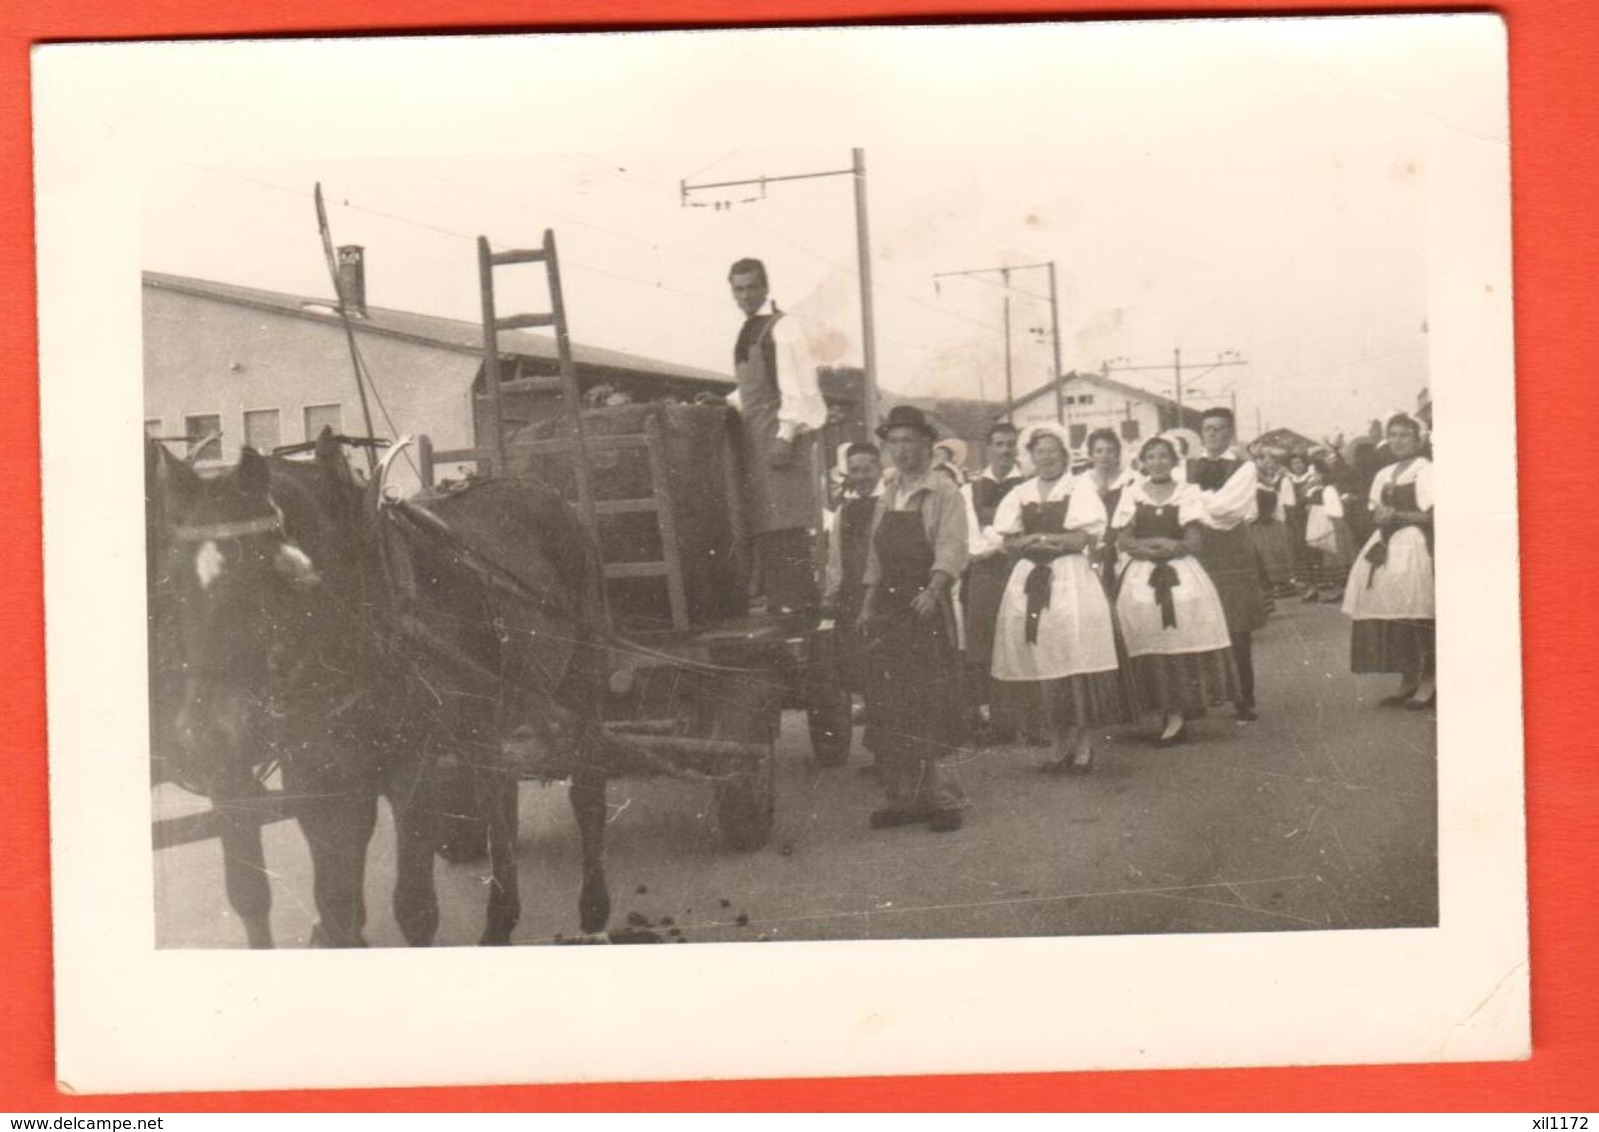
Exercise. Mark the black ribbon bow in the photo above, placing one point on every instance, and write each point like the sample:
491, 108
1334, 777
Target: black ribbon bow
1163, 579
1037, 590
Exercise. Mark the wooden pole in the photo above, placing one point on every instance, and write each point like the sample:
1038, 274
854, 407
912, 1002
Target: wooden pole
864, 253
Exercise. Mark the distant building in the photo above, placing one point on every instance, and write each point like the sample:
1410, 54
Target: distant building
264, 369
1288, 440
963, 418
1090, 401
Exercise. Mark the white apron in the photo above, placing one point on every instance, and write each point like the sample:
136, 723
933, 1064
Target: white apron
1402, 589
1201, 625
1075, 634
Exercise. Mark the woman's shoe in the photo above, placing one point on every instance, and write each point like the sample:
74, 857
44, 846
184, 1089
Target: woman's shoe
945, 821
889, 818
1176, 738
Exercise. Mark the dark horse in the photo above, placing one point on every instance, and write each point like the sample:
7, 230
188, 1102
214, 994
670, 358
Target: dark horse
364, 656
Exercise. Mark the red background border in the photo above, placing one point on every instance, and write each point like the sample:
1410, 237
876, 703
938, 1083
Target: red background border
1555, 159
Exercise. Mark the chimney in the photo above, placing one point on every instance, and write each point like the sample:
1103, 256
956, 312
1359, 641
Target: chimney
352, 279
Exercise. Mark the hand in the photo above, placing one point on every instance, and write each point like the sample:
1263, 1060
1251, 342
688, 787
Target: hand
924, 604
863, 619
782, 453
709, 399
1384, 513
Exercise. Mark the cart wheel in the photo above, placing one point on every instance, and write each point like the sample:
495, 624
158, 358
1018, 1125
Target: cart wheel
829, 714
749, 710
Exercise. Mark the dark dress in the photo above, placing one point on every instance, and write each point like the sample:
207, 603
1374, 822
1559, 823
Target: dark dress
918, 708
1186, 678
985, 579
1391, 644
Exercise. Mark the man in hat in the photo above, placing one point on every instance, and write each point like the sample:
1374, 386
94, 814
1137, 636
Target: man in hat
984, 584
780, 408
916, 552
1227, 481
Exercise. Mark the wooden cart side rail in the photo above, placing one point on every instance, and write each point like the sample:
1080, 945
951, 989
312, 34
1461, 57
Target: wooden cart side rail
203, 825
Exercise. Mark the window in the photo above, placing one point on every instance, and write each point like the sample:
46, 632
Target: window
318, 417
262, 430
152, 427
196, 429
1086, 399
1130, 429
1079, 434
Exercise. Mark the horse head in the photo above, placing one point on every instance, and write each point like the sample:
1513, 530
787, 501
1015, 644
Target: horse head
248, 555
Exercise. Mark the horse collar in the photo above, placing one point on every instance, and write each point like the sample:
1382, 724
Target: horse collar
239, 528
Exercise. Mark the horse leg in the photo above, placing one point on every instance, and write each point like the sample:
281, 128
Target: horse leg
587, 794
338, 819
498, 794
416, 899
243, 858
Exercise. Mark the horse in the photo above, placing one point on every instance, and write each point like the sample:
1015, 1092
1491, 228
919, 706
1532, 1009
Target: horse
363, 660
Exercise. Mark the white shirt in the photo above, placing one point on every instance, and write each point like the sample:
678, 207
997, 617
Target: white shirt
802, 405
982, 542
1234, 504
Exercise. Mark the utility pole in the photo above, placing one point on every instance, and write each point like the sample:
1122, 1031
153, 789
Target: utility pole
1054, 338
1054, 322
1010, 393
857, 171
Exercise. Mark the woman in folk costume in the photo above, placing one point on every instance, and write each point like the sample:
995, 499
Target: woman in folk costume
1328, 546
1390, 593
1054, 641
1302, 477
917, 550
1171, 619
1274, 494
1111, 480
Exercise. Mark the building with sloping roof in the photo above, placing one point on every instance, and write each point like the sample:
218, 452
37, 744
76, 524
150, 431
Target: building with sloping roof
264, 369
1090, 401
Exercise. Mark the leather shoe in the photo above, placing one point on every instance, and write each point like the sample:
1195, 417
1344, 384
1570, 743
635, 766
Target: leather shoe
945, 821
1247, 714
890, 818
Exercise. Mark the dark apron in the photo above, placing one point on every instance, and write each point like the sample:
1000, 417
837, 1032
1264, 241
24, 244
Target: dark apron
918, 705
776, 499
853, 531
1040, 519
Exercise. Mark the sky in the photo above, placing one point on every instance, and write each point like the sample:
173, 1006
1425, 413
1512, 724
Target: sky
1269, 203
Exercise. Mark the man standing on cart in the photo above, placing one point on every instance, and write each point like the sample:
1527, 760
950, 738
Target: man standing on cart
916, 552
780, 407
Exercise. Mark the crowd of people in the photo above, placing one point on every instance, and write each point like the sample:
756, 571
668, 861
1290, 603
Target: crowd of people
1058, 593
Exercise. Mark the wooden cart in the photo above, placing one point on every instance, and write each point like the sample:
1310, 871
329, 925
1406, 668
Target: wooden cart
706, 693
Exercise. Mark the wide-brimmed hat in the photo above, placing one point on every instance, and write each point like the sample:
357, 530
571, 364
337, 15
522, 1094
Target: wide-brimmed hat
906, 416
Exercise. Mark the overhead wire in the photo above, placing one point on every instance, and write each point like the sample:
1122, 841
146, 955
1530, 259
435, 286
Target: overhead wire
436, 229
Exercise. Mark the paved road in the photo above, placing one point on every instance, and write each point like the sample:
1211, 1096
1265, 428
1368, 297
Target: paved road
1320, 815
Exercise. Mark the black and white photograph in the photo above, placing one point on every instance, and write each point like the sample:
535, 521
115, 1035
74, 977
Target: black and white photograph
959, 508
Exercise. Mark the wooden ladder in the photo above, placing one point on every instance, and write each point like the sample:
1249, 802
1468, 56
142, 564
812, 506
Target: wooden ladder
576, 444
